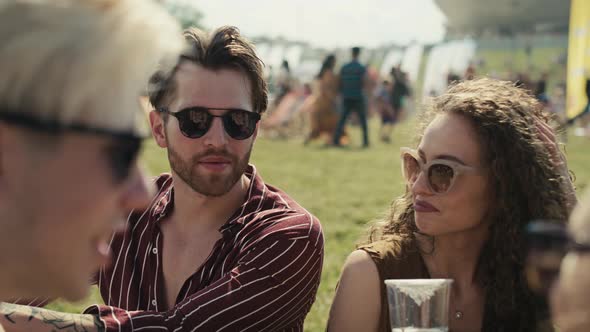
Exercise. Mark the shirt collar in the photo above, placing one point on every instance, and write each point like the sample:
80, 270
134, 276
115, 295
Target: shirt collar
163, 203
253, 197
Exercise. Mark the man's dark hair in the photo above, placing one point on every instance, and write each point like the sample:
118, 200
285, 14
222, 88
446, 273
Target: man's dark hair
356, 51
223, 49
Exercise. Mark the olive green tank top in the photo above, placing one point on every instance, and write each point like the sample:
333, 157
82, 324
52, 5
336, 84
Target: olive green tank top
394, 260
401, 260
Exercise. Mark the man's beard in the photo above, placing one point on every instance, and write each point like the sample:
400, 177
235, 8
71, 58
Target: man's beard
208, 185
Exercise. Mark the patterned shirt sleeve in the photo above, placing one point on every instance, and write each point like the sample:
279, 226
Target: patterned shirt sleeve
271, 288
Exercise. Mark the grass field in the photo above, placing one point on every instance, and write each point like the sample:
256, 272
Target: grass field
344, 188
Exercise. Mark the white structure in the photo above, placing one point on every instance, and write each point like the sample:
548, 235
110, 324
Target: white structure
262, 50
307, 70
276, 55
411, 61
293, 55
451, 57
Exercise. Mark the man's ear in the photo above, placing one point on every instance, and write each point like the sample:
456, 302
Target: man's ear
158, 131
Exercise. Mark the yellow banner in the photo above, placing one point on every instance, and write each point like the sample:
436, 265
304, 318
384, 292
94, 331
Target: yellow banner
578, 63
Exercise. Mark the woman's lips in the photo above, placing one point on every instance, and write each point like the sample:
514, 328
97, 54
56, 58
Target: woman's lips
423, 206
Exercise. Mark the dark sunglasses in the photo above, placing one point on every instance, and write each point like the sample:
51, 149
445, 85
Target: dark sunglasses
548, 242
121, 154
195, 122
440, 173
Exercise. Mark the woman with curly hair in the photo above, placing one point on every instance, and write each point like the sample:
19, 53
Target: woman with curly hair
486, 164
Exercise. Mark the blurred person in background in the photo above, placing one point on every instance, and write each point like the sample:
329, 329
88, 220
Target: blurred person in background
70, 134
453, 78
524, 81
584, 116
284, 82
400, 91
217, 248
383, 103
321, 106
486, 164
353, 82
469, 72
540, 91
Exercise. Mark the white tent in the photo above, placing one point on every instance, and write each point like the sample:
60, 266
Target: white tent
451, 57
276, 55
411, 61
293, 55
262, 50
307, 70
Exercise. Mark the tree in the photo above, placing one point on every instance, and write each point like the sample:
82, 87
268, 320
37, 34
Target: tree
187, 14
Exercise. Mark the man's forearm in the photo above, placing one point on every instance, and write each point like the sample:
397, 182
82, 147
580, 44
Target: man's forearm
15, 318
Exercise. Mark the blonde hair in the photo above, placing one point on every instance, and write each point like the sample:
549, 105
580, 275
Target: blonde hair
83, 62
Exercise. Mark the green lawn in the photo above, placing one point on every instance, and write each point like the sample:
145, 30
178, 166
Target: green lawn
344, 188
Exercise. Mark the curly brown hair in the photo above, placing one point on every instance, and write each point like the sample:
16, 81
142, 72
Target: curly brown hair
527, 186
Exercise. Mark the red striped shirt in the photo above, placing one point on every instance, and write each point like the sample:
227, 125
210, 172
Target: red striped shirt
262, 275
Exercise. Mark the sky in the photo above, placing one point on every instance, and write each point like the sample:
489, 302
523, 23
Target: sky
329, 23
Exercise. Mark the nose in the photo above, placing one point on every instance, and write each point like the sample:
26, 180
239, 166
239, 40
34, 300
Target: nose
420, 185
216, 136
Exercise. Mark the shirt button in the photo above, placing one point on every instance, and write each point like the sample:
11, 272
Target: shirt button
155, 251
154, 302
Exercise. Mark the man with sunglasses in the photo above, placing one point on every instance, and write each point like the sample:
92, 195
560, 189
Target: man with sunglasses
69, 139
218, 249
